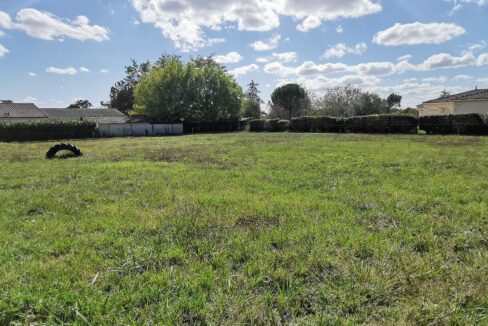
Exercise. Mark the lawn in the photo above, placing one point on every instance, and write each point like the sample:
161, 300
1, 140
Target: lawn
246, 229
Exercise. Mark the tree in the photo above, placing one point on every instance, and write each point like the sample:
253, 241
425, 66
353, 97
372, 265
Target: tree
200, 90
252, 104
80, 104
6, 101
348, 101
394, 102
122, 93
445, 94
338, 102
289, 101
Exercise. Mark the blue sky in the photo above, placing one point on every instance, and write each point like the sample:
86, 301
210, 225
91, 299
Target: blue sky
55, 51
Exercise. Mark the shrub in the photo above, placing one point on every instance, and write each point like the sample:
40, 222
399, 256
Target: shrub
463, 124
380, 124
257, 125
315, 124
283, 125
46, 130
270, 125
192, 127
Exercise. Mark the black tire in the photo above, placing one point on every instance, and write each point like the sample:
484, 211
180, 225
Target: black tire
51, 153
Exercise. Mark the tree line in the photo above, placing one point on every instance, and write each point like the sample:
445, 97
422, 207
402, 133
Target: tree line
202, 90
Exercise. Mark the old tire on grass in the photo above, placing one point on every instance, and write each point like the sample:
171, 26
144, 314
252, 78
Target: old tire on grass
51, 153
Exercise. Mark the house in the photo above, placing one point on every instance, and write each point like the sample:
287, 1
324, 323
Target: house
100, 116
475, 101
15, 112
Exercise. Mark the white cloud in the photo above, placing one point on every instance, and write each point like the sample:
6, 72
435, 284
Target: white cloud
32, 74
440, 79
3, 50
434, 62
284, 57
83, 69
62, 71
244, 70
339, 29
231, 57
46, 26
104, 71
268, 45
477, 46
462, 78
444, 60
341, 49
459, 4
482, 60
418, 33
2, 34
184, 21
406, 57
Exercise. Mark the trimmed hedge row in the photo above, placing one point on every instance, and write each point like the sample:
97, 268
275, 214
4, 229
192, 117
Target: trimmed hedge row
316, 124
465, 124
384, 124
191, 127
47, 130
270, 125
380, 124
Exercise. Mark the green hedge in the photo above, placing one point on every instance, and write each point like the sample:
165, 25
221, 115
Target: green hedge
194, 127
271, 125
380, 124
464, 124
315, 124
46, 130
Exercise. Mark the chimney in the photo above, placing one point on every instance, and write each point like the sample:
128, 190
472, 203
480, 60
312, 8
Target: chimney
476, 88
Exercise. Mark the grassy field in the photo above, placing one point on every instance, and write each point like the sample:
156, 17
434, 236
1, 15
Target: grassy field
246, 229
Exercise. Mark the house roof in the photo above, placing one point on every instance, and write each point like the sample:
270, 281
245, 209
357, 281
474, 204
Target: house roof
97, 115
20, 110
477, 94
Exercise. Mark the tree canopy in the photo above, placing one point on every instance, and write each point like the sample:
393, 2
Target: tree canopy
348, 101
252, 103
289, 101
199, 90
80, 104
122, 93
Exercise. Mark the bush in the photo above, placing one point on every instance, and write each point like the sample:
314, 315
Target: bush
191, 127
315, 124
46, 130
463, 124
283, 125
257, 125
270, 125
380, 124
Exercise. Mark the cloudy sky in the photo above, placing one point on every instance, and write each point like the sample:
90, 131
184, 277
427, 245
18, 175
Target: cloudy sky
54, 51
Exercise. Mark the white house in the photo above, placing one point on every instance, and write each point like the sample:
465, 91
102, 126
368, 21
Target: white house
475, 101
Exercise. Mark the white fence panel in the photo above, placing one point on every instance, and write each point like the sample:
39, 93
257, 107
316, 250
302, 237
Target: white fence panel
138, 129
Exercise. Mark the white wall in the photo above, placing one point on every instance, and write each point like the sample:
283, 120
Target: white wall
431, 109
139, 129
471, 107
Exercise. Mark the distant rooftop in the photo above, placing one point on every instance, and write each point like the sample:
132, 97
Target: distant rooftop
477, 94
20, 110
97, 115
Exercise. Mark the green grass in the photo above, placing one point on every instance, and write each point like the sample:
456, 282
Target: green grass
246, 229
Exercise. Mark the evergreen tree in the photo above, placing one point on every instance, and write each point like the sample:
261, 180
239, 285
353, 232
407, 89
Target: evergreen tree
252, 105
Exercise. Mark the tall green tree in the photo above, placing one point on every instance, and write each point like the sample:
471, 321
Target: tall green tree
394, 101
122, 93
200, 90
290, 101
252, 102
